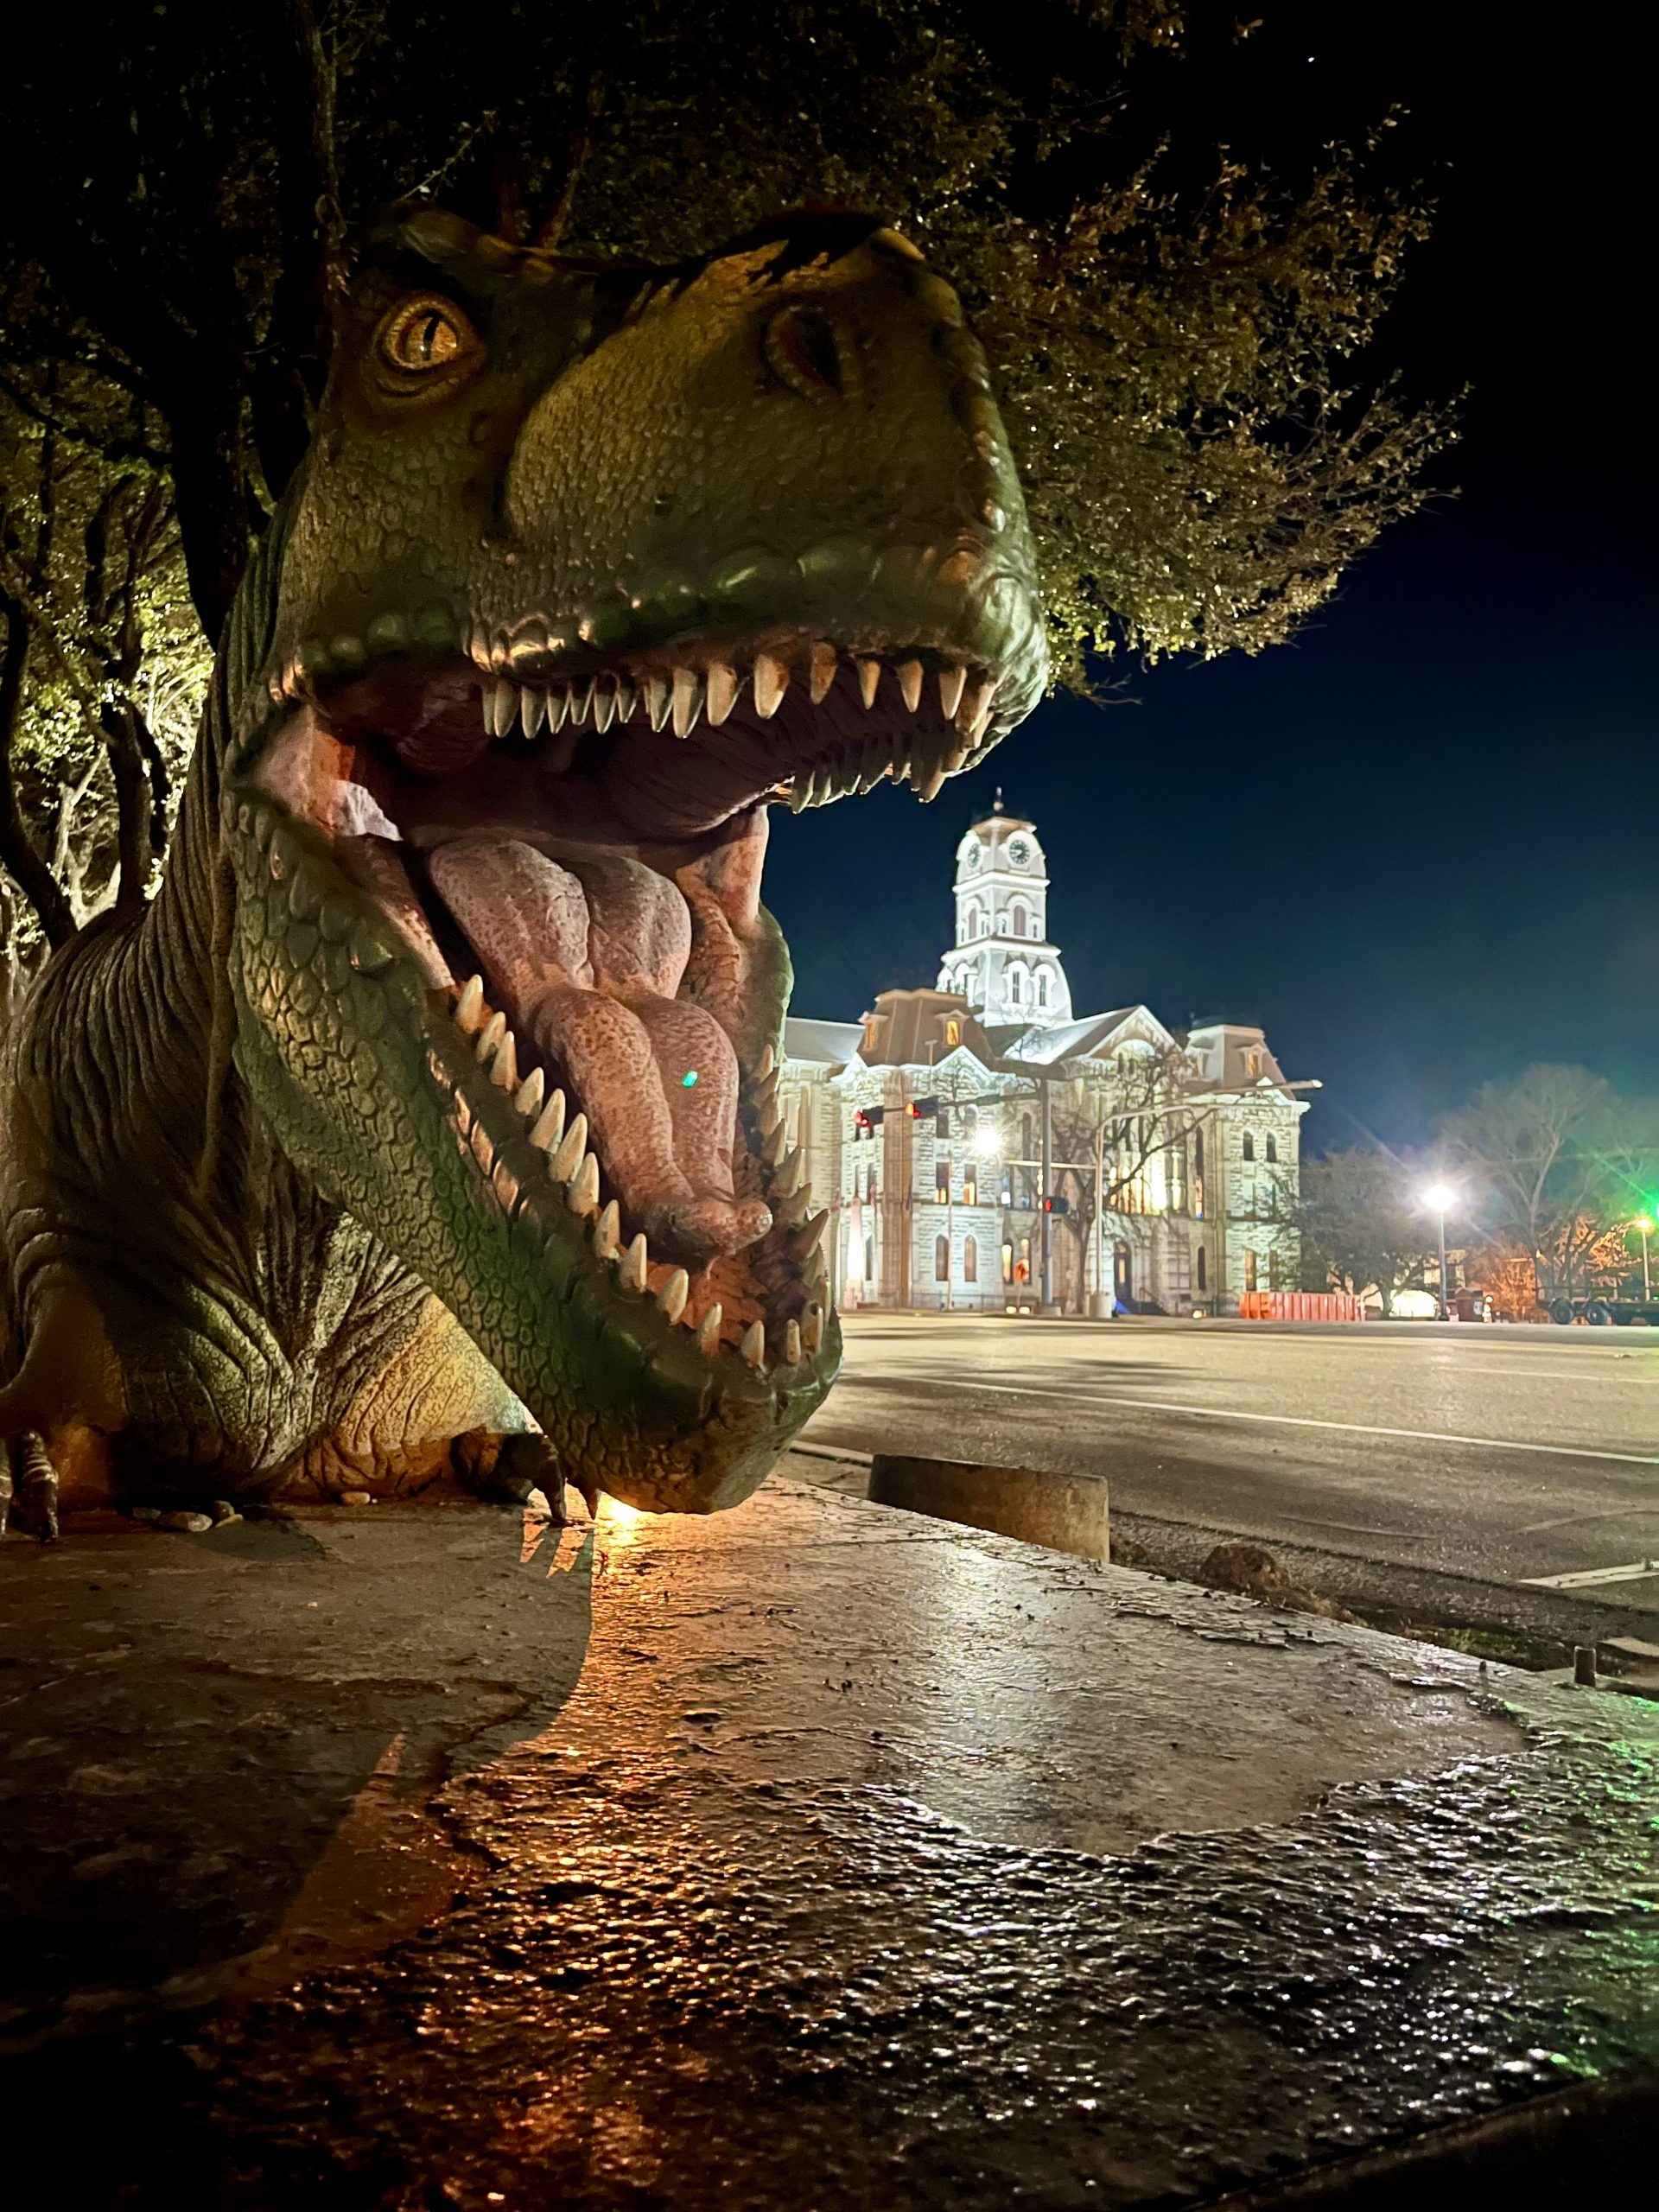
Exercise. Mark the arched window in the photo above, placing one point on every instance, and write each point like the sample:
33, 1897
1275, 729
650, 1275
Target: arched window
1247, 1150
971, 1259
941, 1259
1197, 1152
1042, 986
970, 924
1019, 921
1273, 1149
1016, 987
1007, 1263
1204, 1271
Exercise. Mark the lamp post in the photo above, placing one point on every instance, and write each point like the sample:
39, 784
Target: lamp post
1644, 1223
1439, 1200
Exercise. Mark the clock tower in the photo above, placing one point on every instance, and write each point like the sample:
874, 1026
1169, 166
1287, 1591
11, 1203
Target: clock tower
1003, 962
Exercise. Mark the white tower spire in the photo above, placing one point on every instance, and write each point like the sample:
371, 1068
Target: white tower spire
1003, 962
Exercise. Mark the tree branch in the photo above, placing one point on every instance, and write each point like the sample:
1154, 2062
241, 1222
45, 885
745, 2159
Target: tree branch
24, 865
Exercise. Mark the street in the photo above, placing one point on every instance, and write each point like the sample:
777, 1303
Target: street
1499, 1454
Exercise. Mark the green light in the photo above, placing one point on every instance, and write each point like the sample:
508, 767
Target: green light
687, 1078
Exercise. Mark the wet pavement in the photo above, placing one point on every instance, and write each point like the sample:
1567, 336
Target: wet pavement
813, 1855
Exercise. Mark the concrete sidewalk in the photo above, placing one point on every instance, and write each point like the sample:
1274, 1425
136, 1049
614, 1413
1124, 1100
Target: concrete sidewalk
813, 1855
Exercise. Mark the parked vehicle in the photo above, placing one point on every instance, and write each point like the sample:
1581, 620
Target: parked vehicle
1598, 1312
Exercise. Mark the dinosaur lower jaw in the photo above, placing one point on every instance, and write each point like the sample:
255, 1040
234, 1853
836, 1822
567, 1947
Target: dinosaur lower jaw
575, 874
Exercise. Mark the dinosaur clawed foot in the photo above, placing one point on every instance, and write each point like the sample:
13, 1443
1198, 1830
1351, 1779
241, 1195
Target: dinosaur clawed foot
31, 1492
526, 1463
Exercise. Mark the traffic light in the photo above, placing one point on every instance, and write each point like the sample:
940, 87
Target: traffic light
1057, 1206
921, 1109
868, 1119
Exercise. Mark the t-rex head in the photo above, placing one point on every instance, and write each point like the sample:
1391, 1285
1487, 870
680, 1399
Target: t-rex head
586, 568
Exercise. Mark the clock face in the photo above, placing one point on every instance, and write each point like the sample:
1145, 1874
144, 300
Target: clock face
1020, 851
970, 858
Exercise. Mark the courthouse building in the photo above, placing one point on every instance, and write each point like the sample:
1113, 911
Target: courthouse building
960, 1133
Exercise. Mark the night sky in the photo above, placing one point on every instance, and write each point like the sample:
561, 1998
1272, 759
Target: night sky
1417, 843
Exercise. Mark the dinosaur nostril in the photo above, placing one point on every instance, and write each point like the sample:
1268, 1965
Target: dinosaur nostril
802, 353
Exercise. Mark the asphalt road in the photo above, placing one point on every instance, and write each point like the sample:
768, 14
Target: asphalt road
1494, 1453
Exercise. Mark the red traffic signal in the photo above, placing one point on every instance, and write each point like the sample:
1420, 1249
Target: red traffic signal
1057, 1206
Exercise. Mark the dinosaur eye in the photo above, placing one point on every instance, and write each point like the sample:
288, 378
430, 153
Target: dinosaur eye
426, 335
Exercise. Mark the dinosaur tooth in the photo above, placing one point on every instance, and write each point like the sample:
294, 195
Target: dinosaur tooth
581, 697
490, 1036
527, 1099
754, 1346
558, 706
929, 789
626, 696
910, 673
658, 698
582, 1197
975, 709
549, 1127
569, 1156
812, 1327
504, 1073
604, 705
504, 706
800, 791
808, 1238
635, 1261
672, 1294
773, 1143
709, 1331
766, 1064
688, 700
771, 681
607, 1233
722, 691
869, 676
951, 681
822, 673
469, 1007
787, 1180
792, 1344
483, 1150
533, 709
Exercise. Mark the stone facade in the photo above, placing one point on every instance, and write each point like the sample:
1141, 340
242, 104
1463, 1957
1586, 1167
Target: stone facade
922, 1127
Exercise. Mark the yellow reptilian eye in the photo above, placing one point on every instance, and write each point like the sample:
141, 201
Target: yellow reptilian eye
425, 334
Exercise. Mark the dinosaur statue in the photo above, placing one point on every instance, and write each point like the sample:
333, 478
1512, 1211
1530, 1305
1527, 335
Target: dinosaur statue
425, 1125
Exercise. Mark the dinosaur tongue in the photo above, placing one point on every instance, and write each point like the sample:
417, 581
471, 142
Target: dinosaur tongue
586, 953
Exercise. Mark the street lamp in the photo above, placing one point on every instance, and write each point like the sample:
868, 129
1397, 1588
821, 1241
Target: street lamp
1439, 1199
1644, 1223
986, 1142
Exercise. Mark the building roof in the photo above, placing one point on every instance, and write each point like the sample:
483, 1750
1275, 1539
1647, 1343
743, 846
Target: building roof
824, 1043
912, 1029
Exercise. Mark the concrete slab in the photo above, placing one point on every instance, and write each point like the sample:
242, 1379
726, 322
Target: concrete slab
813, 1855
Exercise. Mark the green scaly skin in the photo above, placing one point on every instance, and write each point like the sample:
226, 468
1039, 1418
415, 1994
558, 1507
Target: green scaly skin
269, 1224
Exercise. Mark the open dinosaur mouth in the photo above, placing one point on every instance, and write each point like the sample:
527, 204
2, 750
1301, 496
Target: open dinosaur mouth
574, 864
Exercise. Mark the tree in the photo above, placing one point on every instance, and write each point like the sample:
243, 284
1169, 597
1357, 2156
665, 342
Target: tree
1137, 1118
1179, 335
1543, 1152
101, 661
1359, 1226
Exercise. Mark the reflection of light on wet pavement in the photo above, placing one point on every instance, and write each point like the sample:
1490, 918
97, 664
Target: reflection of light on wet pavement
617, 1521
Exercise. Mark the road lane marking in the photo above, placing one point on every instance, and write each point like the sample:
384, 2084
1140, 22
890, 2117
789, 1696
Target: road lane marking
1297, 1420
1638, 1571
